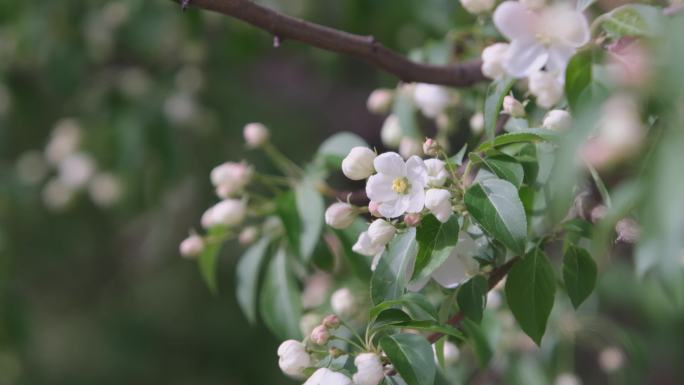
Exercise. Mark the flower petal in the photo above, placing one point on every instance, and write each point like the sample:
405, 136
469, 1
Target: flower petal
515, 21
416, 199
390, 163
416, 171
451, 273
559, 56
394, 208
379, 188
524, 57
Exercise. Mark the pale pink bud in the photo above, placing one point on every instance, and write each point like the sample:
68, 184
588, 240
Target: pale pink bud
380, 101
431, 147
513, 107
331, 321
248, 235
628, 230
340, 215
256, 134
192, 246
412, 219
320, 335
373, 209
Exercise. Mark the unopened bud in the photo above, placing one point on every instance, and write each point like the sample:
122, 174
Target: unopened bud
628, 230
477, 123
340, 215
320, 335
412, 219
358, 164
431, 147
256, 134
331, 321
248, 235
192, 246
373, 209
557, 120
380, 101
513, 107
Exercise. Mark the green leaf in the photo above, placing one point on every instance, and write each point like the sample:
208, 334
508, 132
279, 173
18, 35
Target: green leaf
527, 135
579, 274
582, 5
412, 356
495, 205
578, 76
472, 297
247, 277
208, 260
636, 20
504, 166
389, 278
431, 327
390, 317
482, 346
286, 208
458, 158
495, 96
334, 149
280, 301
311, 208
530, 288
416, 304
435, 240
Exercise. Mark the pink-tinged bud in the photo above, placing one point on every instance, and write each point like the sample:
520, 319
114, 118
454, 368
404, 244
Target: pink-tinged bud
373, 209
431, 147
380, 101
192, 246
331, 321
248, 235
598, 213
412, 219
628, 230
256, 134
320, 335
340, 215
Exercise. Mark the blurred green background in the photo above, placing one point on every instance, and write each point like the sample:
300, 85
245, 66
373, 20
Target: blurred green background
99, 295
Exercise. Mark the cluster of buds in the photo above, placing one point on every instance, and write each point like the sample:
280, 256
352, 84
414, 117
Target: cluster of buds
320, 335
75, 170
230, 181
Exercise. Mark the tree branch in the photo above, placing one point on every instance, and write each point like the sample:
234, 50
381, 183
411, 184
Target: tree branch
362, 47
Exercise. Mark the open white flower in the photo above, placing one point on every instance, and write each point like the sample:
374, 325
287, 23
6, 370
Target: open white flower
438, 201
325, 376
399, 186
547, 38
436, 172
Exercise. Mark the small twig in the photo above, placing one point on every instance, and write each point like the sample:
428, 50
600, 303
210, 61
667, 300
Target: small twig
366, 48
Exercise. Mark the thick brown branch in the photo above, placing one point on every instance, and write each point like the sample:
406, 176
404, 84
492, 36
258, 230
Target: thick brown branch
494, 278
366, 48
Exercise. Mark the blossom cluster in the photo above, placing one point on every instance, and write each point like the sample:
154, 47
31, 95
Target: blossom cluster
69, 169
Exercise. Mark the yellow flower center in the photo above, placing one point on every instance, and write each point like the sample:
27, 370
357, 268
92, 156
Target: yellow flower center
400, 185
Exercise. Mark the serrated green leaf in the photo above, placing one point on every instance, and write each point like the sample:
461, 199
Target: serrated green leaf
280, 302
431, 327
504, 166
389, 278
578, 77
247, 277
527, 135
496, 92
436, 241
389, 317
416, 304
579, 274
472, 297
496, 206
412, 357
208, 260
637, 20
530, 289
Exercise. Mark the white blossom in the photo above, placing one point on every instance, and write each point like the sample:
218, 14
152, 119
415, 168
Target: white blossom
477, 123
451, 353
340, 215
546, 88
369, 370
230, 178
557, 120
493, 58
380, 101
436, 172
248, 235
381, 232
460, 265
547, 38
192, 246
409, 147
438, 201
57, 195
293, 358
391, 132
228, 212
513, 107
76, 170
343, 302
325, 376
64, 141
431, 99
255, 134
358, 164
398, 186
365, 246
611, 359
477, 6
105, 189
534, 5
